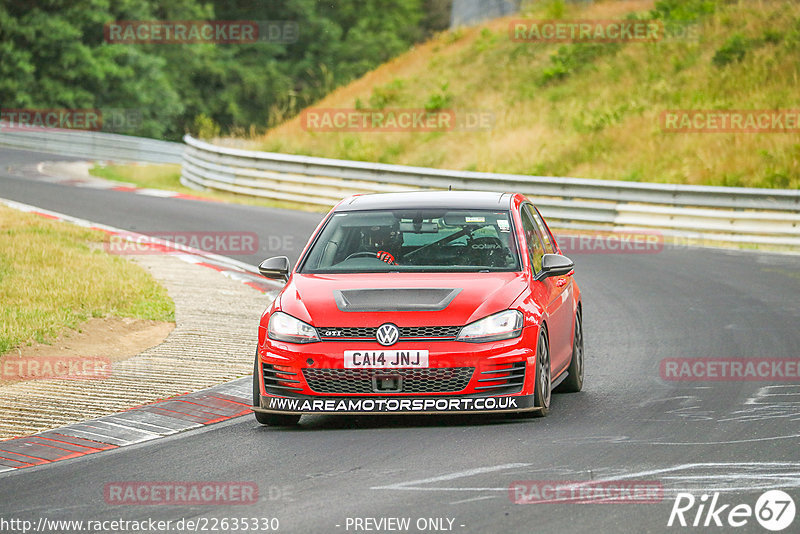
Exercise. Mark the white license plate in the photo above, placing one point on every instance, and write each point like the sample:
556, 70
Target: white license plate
385, 359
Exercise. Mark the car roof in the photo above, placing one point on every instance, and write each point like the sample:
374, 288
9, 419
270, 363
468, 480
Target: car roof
428, 200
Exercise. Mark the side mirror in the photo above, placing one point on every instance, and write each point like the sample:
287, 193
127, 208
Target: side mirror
555, 265
276, 268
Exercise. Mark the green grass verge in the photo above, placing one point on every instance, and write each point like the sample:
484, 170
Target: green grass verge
54, 276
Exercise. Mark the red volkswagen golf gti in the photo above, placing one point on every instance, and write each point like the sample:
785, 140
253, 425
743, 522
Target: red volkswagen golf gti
421, 303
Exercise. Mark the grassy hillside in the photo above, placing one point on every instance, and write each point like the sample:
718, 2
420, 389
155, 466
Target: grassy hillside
587, 109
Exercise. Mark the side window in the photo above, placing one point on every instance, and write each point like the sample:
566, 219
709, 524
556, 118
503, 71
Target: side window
549, 248
535, 248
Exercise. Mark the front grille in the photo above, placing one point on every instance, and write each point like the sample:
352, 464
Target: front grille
505, 378
280, 382
430, 380
429, 331
407, 333
347, 333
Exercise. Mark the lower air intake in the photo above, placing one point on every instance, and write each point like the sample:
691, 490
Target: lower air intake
432, 380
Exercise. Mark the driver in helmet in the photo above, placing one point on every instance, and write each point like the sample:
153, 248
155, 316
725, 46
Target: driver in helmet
386, 242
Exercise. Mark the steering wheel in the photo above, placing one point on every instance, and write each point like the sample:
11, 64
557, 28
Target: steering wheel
363, 253
380, 255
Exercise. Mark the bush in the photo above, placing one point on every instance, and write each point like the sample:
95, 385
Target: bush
440, 100
734, 49
387, 94
204, 127
571, 58
683, 10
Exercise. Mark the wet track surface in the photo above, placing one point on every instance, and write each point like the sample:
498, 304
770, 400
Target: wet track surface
738, 438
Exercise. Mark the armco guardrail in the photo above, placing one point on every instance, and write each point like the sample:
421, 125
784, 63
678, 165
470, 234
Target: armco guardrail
93, 145
729, 214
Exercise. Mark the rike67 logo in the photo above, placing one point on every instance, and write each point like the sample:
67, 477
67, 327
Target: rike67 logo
774, 510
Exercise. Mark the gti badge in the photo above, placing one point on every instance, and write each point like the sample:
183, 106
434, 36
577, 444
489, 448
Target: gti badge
387, 334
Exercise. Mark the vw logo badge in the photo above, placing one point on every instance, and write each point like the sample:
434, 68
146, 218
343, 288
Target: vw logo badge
387, 334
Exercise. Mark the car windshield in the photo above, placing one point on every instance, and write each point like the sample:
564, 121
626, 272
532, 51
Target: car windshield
415, 240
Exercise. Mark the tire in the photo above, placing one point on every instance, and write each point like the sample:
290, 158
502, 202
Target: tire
271, 419
574, 381
543, 390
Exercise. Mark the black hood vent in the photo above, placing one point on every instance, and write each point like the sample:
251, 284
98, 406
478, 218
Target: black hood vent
394, 299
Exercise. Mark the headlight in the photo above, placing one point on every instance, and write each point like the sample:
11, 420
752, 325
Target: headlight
503, 325
284, 327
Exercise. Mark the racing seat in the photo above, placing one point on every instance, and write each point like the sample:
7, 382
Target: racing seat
489, 251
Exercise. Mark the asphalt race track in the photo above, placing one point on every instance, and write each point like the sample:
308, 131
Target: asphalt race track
738, 438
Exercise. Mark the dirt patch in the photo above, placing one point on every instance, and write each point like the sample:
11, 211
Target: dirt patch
114, 338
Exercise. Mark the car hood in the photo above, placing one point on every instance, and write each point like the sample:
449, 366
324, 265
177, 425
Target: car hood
406, 299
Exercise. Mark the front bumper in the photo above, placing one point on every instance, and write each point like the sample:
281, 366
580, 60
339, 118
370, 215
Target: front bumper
395, 405
492, 377
306, 368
